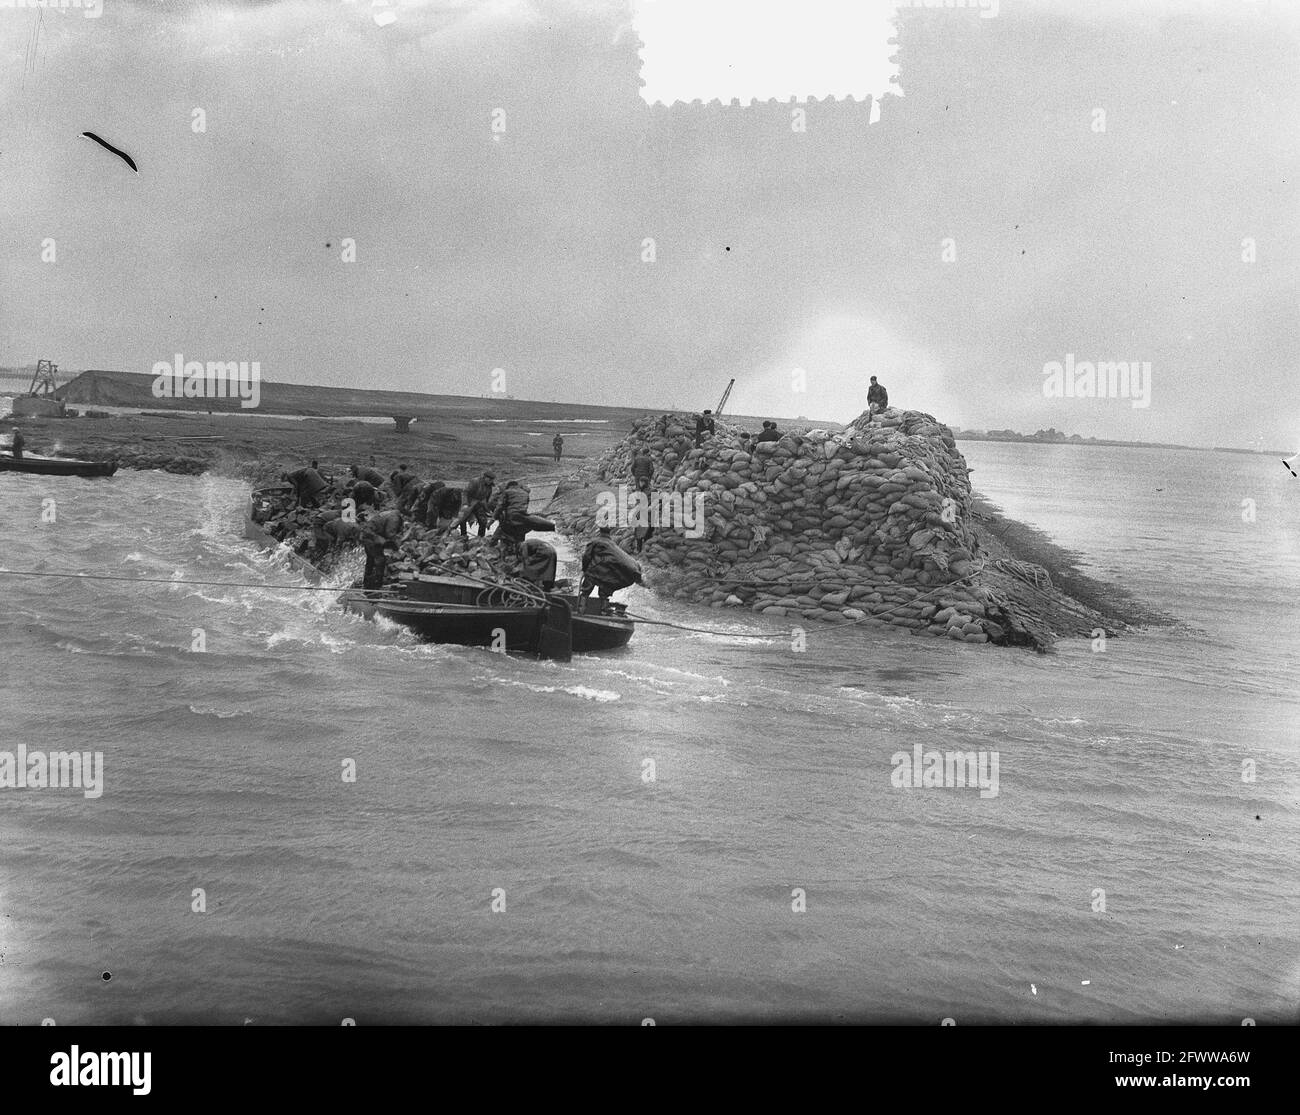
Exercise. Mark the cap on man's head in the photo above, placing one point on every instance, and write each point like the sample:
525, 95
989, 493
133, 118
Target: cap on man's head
489, 474
707, 410
873, 379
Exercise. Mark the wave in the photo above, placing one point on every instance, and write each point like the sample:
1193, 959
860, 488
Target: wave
584, 691
220, 714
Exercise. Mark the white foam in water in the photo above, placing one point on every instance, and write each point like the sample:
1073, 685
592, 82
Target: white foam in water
584, 691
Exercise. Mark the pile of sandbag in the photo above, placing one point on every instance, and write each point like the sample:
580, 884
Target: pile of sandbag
869, 522
423, 550
419, 549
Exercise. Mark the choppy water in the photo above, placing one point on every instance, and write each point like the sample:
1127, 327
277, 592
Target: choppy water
624, 899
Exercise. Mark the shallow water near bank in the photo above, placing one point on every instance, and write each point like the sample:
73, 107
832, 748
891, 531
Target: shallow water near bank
1120, 771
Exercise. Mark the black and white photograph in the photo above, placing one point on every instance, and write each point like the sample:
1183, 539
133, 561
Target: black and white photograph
534, 514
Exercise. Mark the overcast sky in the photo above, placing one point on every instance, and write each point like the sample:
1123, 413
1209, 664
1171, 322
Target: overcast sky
775, 249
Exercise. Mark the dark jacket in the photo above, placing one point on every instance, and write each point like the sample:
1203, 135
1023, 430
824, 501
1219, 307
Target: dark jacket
704, 424
512, 505
371, 476
448, 502
381, 527
769, 435
18, 443
425, 501
643, 466
606, 564
876, 393
479, 490
307, 482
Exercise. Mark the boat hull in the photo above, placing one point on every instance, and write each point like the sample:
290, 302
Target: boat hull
56, 466
514, 630
463, 612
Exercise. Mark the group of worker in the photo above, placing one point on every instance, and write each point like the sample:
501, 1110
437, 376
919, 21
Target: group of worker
385, 507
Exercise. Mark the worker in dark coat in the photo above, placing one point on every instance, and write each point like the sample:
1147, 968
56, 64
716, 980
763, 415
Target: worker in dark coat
400, 481
330, 529
770, 432
703, 425
605, 567
371, 476
424, 506
643, 470
877, 397
308, 484
478, 498
378, 533
16, 446
538, 564
557, 443
449, 503
512, 514
364, 494
409, 496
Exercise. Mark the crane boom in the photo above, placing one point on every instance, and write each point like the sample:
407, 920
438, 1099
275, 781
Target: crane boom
725, 396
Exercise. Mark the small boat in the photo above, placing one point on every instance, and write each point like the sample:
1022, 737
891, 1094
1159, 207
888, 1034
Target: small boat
468, 612
55, 466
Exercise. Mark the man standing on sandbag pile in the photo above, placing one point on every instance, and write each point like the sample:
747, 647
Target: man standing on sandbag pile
703, 425
643, 473
877, 397
643, 470
607, 568
378, 534
478, 494
308, 484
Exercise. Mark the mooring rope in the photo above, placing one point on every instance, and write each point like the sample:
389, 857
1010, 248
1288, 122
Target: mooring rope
162, 580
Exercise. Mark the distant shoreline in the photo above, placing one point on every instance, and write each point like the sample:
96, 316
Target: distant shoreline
133, 390
1029, 439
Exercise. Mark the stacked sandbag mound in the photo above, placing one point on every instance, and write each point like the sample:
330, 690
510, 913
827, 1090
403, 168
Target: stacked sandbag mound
872, 522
